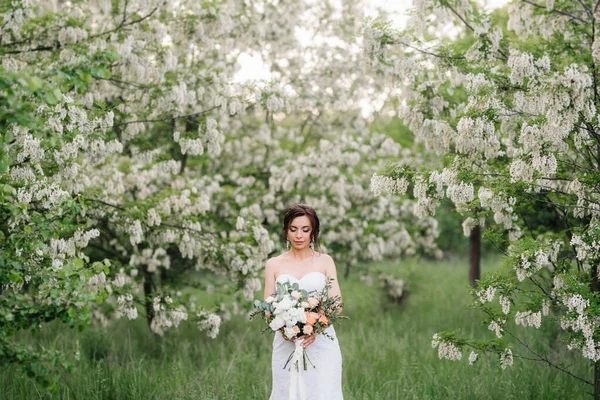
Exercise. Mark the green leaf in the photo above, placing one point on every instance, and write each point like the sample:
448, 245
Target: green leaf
101, 72
77, 263
51, 99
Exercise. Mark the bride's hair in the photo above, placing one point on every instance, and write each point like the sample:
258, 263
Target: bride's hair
300, 210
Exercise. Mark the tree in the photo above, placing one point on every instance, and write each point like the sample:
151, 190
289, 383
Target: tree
514, 119
146, 171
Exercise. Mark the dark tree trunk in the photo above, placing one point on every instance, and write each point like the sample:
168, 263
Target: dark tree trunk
595, 287
475, 256
148, 302
597, 380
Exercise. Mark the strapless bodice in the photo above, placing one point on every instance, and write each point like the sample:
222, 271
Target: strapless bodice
310, 282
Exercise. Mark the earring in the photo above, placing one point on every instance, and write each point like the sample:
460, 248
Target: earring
312, 244
287, 244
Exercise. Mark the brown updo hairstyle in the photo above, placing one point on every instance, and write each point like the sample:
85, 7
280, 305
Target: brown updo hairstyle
300, 210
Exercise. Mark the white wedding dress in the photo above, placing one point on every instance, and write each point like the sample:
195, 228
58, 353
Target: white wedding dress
324, 381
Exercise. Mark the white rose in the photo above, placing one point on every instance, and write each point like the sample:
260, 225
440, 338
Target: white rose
289, 332
277, 323
283, 305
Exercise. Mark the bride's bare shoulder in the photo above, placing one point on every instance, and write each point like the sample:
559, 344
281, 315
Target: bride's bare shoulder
275, 261
324, 257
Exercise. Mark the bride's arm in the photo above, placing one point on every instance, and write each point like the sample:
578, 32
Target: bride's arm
269, 279
334, 290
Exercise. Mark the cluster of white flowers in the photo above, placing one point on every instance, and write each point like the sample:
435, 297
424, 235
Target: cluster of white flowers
521, 170
475, 82
521, 67
577, 320
504, 303
30, 148
240, 223
447, 177
251, 286
496, 326
477, 136
165, 318
71, 34
135, 232
472, 358
468, 224
261, 235
529, 318
506, 358
121, 279
388, 185
583, 250
545, 307
526, 268
151, 259
372, 41
461, 193
274, 103
153, 217
209, 322
446, 349
61, 249
189, 146
126, 307
394, 287
97, 281
487, 294
425, 205
48, 195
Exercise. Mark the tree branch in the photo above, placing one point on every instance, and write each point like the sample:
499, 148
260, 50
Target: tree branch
167, 119
428, 52
545, 359
58, 46
587, 9
556, 11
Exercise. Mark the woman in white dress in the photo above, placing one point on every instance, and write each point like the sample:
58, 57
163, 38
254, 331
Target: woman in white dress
303, 265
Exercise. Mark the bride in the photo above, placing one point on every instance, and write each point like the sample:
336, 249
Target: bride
303, 265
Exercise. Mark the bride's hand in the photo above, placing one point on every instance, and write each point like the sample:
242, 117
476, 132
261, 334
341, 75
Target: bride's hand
287, 338
308, 340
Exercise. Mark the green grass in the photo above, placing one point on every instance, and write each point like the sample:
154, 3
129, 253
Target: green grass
386, 351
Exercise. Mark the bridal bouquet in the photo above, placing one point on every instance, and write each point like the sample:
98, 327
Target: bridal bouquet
296, 312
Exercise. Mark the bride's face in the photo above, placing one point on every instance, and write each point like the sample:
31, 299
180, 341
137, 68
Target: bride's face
299, 232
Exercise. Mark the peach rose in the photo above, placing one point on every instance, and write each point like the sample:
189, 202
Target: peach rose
310, 319
323, 320
296, 329
315, 315
313, 302
307, 330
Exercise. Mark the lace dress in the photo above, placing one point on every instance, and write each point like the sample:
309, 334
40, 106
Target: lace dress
324, 382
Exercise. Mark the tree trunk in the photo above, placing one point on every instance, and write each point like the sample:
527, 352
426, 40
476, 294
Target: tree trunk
148, 302
475, 256
594, 287
597, 380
